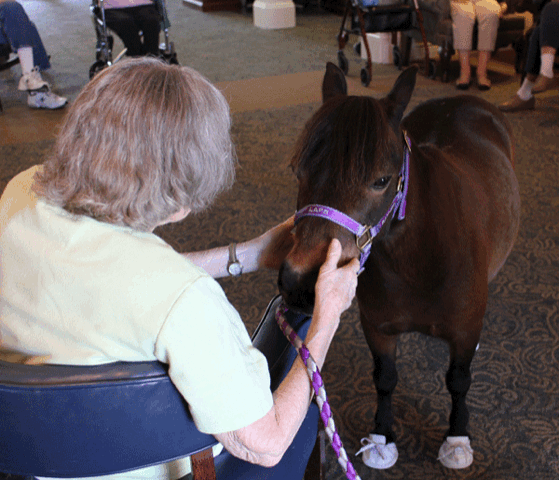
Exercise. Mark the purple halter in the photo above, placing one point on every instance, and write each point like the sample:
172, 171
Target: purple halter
365, 234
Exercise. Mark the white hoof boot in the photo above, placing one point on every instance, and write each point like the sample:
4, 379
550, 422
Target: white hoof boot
456, 452
376, 453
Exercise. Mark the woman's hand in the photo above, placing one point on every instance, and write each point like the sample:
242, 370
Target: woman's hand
335, 286
275, 244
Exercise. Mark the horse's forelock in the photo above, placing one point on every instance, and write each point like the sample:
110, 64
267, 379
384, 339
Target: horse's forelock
342, 140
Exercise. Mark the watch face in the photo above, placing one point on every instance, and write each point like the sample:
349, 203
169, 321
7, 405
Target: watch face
235, 269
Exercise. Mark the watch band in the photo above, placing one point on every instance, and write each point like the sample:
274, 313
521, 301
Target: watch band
234, 267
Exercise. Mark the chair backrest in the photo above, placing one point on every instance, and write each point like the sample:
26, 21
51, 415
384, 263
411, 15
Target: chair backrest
130, 415
79, 421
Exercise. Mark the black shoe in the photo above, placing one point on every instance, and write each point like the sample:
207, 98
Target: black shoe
464, 86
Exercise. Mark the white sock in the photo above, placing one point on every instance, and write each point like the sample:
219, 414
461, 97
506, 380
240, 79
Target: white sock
25, 55
547, 65
525, 90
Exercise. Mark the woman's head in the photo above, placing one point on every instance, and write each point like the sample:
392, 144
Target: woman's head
142, 140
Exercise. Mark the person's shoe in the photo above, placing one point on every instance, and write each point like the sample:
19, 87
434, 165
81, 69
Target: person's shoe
544, 83
376, 453
32, 81
456, 452
516, 104
483, 84
48, 100
463, 85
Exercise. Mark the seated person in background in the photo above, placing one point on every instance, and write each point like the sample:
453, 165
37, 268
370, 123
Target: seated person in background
127, 18
464, 14
542, 48
84, 280
21, 34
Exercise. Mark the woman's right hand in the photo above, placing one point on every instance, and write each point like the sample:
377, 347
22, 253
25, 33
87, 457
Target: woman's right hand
335, 286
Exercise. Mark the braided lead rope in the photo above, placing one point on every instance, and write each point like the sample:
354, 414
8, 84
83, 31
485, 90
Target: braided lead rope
318, 387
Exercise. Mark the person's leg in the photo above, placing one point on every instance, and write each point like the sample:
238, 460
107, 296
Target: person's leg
150, 23
464, 79
25, 40
463, 18
524, 99
123, 24
21, 32
549, 42
487, 14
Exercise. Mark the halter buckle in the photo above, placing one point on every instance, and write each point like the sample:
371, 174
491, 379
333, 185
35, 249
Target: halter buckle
400, 186
364, 240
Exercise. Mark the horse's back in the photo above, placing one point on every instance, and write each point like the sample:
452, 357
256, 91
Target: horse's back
470, 140
465, 124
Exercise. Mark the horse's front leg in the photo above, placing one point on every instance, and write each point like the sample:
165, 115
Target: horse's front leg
379, 449
456, 451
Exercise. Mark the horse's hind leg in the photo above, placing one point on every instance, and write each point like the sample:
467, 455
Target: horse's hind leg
379, 449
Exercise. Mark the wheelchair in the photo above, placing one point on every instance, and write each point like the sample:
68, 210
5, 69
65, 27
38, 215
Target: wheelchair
105, 40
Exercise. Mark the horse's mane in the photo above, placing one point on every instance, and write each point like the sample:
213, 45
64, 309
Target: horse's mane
340, 140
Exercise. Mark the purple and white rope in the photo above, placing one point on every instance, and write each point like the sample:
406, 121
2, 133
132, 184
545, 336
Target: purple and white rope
318, 387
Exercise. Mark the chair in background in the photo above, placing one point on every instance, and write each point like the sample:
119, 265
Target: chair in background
437, 22
80, 421
7, 60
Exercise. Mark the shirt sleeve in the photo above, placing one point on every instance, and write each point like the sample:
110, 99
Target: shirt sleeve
212, 362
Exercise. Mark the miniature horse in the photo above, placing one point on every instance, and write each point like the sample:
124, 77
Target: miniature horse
431, 205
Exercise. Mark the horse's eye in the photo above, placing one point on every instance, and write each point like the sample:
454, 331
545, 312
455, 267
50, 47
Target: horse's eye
381, 183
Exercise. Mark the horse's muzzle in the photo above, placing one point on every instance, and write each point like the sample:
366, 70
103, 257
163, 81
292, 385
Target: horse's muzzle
297, 289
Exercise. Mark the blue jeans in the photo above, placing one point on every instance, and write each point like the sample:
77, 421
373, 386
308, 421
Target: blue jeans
546, 34
17, 30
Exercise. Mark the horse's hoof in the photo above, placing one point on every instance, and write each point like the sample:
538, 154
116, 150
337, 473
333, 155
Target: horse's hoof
376, 453
456, 452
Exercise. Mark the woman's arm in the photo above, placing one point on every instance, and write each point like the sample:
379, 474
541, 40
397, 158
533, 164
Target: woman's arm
265, 441
266, 251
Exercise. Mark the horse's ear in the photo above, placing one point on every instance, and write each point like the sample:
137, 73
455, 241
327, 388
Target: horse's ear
401, 92
333, 83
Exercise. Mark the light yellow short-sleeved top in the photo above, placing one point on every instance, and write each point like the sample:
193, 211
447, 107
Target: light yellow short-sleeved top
81, 292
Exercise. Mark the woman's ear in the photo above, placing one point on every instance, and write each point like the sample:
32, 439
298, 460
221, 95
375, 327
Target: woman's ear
180, 215
176, 217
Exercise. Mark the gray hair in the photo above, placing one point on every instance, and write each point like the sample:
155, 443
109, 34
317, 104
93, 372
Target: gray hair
142, 140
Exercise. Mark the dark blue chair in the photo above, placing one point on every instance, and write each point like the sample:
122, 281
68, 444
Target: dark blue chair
68, 421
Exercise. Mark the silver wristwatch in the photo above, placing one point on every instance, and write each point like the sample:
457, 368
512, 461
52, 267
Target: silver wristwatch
234, 267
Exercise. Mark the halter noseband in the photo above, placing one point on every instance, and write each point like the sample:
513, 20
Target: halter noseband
365, 234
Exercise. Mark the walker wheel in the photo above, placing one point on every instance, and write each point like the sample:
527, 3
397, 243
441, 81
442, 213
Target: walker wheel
342, 62
365, 77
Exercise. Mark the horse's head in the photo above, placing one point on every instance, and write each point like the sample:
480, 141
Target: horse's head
349, 158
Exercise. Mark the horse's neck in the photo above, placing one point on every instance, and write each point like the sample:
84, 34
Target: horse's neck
405, 237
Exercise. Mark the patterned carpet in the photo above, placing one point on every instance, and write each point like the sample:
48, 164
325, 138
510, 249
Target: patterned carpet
514, 399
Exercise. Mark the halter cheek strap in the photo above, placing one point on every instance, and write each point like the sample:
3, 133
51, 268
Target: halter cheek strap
364, 234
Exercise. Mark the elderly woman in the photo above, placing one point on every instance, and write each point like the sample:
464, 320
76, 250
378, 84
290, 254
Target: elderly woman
464, 15
84, 280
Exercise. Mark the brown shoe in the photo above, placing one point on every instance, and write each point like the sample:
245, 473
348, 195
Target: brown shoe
516, 104
544, 83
